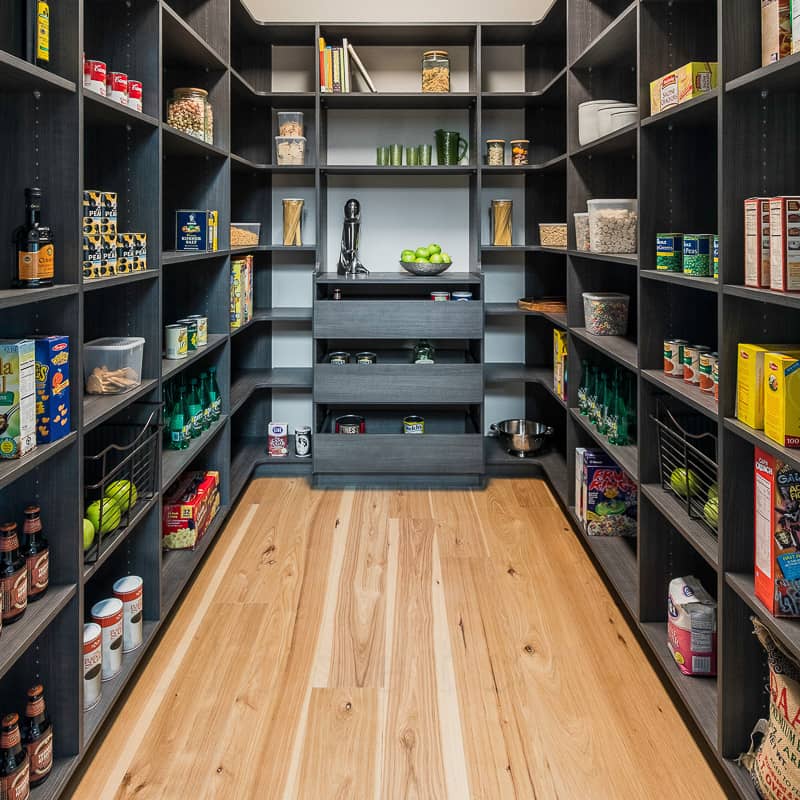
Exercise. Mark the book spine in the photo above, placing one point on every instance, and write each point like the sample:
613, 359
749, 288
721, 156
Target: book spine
322, 85
346, 67
328, 70
337, 72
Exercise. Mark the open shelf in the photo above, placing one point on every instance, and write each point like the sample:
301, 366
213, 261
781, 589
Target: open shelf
245, 382
12, 469
760, 439
626, 457
399, 100
369, 169
18, 75
700, 110
610, 258
780, 76
101, 111
687, 392
178, 143
399, 278
613, 44
621, 350
185, 47
174, 462
98, 408
251, 452
763, 295
512, 309
9, 298
619, 141
119, 280
170, 367
703, 284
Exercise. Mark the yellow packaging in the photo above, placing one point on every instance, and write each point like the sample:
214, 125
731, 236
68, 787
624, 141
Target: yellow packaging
682, 84
750, 380
238, 269
782, 398
560, 363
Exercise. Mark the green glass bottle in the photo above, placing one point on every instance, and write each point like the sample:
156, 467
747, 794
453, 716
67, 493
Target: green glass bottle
592, 397
612, 412
583, 389
205, 400
213, 391
187, 417
176, 426
195, 409
605, 400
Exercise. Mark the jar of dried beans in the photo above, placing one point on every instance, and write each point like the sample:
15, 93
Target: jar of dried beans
436, 71
189, 111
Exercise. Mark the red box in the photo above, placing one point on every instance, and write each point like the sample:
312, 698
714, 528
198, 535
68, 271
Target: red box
189, 510
777, 535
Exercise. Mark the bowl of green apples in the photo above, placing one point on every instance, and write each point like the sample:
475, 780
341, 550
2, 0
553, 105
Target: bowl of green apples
430, 260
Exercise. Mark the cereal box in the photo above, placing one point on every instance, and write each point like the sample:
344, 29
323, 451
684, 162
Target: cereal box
560, 363
52, 389
238, 274
777, 535
784, 232
17, 397
795, 27
189, 509
682, 84
610, 498
782, 399
756, 242
278, 439
750, 380
776, 30
692, 626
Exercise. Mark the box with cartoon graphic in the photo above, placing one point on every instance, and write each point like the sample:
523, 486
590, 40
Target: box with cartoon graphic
610, 497
52, 389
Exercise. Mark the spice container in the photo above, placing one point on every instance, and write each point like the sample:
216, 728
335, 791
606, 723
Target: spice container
290, 151
697, 254
366, 358
669, 252
290, 123
340, 358
582, 240
606, 313
495, 152
187, 111
613, 225
500, 215
519, 152
553, 234
436, 71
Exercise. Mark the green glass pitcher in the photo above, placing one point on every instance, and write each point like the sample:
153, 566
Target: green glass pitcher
451, 147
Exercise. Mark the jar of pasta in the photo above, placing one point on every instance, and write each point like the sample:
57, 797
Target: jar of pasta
436, 71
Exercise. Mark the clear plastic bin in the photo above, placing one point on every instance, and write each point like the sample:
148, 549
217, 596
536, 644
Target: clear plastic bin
613, 225
290, 123
606, 313
245, 234
553, 234
113, 365
582, 240
290, 151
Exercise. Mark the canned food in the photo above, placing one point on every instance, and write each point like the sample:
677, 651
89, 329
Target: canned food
202, 328
92, 665
94, 76
715, 255
117, 87
715, 378
128, 590
366, 358
108, 615
706, 370
462, 296
191, 332
669, 252
339, 358
691, 362
351, 424
440, 296
135, 95
175, 345
413, 425
302, 441
337, 294
697, 254
673, 357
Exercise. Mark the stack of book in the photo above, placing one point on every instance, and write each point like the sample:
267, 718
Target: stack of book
334, 68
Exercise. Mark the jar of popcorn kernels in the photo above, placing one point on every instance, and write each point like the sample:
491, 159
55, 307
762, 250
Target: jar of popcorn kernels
189, 111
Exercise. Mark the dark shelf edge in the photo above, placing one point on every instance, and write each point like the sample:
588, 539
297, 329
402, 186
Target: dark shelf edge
170, 367
13, 469
625, 457
686, 393
122, 401
187, 456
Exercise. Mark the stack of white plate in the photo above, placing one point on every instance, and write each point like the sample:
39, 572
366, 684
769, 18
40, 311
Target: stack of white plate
598, 118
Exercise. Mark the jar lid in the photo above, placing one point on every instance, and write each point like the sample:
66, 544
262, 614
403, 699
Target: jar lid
520, 141
190, 90
435, 53
495, 141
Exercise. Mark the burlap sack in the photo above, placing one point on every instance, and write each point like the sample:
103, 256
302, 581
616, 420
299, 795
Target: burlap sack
775, 762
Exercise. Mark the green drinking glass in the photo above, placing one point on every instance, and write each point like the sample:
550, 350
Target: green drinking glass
383, 158
396, 155
412, 157
425, 152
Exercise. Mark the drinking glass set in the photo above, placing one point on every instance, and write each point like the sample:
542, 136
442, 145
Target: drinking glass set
451, 147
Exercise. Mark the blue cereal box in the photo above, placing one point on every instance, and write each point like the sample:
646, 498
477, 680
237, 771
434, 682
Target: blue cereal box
611, 498
194, 230
52, 389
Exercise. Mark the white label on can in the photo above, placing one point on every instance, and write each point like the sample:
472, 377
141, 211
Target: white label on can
92, 668
302, 444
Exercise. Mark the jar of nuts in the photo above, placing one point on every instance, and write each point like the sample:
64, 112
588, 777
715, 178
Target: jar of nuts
436, 71
189, 111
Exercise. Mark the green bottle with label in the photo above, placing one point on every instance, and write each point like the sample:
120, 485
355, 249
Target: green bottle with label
195, 409
213, 392
205, 400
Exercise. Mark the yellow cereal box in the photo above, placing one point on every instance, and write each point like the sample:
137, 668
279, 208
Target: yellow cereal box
560, 363
682, 84
782, 398
750, 380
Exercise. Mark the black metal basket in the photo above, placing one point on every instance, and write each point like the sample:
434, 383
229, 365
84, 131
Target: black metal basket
125, 451
687, 454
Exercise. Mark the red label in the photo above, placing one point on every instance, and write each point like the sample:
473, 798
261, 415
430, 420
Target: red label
9, 543
40, 755
17, 785
9, 739
110, 621
135, 90
38, 573
91, 646
15, 594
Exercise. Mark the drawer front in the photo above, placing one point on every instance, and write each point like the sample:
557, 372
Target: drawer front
397, 319
446, 454
398, 383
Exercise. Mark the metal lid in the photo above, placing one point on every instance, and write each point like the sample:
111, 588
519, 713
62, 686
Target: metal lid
106, 608
495, 141
91, 630
435, 54
187, 90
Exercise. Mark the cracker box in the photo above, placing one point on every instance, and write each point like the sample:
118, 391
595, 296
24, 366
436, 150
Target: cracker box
682, 84
777, 535
795, 27
52, 389
776, 30
692, 626
189, 509
560, 363
17, 397
610, 498
782, 399
194, 231
784, 232
750, 380
278, 439
756, 242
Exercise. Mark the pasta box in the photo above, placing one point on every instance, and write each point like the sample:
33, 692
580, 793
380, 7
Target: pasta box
17, 397
782, 399
611, 498
52, 389
189, 509
784, 248
777, 535
750, 380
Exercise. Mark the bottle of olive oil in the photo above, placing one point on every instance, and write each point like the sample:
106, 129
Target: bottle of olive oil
37, 32
33, 242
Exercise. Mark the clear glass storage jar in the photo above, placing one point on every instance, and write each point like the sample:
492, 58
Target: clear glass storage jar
495, 152
519, 152
189, 111
436, 71
613, 225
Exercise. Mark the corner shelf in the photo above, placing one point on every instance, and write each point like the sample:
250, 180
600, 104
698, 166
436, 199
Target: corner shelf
615, 40
174, 462
626, 457
184, 45
621, 350
245, 382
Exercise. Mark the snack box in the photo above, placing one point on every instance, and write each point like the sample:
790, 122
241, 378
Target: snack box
782, 399
777, 535
194, 230
560, 363
795, 27
784, 232
189, 509
238, 274
108, 247
278, 439
92, 204
17, 397
110, 206
682, 84
750, 380
776, 30
611, 498
692, 626
756, 242
52, 389
93, 249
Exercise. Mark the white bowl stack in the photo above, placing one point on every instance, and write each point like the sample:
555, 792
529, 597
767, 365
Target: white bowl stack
598, 118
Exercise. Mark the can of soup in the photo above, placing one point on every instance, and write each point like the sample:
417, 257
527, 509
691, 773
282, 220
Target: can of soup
202, 328
673, 357
706, 372
366, 358
175, 341
134, 94
440, 296
302, 441
94, 76
350, 424
92, 665
413, 424
108, 615
715, 378
128, 591
691, 362
339, 358
117, 87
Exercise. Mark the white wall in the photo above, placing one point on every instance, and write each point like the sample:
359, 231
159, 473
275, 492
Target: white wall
410, 11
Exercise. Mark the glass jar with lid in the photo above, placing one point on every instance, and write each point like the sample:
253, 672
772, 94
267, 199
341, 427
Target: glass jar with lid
495, 152
189, 111
436, 71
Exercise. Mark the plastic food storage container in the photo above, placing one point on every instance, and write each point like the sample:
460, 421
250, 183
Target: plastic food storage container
582, 231
623, 117
436, 71
606, 313
604, 116
290, 123
245, 234
587, 119
290, 151
189, 111
553, 234
613, 225
113, 365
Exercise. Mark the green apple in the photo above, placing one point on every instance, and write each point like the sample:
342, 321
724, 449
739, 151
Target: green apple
683, 481
421, 260
422, 252
407, 252
446, 258
408, 256
436, 258
434, 248
88, 534
713, 492
711, 512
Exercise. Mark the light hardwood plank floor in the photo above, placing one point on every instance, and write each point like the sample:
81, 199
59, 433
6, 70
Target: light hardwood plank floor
368, 645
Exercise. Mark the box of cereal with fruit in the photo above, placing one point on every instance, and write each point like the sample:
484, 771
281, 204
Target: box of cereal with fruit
610, 498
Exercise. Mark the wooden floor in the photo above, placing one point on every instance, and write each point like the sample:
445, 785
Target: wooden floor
383, 645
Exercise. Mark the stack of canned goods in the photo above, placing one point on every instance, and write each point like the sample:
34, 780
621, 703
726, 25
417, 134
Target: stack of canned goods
116, 86
185, 336
693, 254
696, 364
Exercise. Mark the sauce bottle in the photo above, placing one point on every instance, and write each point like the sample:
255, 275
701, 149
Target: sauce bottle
13, 575
14, 765
33, 242
37, 736
36, 552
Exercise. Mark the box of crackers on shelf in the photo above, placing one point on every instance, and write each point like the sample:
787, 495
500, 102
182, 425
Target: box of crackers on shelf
189, 509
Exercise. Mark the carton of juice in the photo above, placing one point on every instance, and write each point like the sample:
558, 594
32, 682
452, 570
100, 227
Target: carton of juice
782, 399
17, 397
750, 380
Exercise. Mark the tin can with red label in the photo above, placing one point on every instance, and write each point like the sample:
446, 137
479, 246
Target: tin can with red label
129, 591
134, 94
94, 76
108, 615
117, 87
92, 664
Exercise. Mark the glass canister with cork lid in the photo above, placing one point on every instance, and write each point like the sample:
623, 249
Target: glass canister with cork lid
189, 111
436, 71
